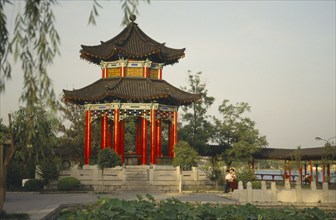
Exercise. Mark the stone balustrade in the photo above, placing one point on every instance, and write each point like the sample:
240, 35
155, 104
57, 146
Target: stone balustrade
296, 195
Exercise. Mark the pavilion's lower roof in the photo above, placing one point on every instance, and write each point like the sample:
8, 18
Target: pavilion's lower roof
130, 89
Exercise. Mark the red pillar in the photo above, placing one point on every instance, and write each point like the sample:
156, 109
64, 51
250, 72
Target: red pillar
158, 138
145, 71
104, 72
316, 174
174, 133
311, 171
138, 138
172, 136
170, 139
109, 134
87, 144
328, 172
160, 73
323, 171
153, 137
290, 171
122, 140
104, 131
252, 166
116, 131
144, 141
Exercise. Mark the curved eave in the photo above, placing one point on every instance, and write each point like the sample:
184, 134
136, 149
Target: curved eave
130, 89
131, 43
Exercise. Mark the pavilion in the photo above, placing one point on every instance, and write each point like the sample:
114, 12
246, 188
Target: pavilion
131, 86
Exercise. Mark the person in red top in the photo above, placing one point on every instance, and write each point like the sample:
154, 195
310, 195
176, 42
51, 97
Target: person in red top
233, 182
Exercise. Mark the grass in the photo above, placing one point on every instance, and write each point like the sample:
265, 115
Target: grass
14, 216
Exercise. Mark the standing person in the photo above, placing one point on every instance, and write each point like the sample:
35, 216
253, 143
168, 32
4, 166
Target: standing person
227, 181
233, 182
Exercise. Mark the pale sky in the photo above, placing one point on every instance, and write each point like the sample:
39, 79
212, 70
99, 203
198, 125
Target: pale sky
278, 56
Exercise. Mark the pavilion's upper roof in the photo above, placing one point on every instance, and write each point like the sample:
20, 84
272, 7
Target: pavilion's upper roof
131, 43
128, 89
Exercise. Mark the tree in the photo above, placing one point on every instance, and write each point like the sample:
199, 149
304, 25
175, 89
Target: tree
70, 144
237, 133
185, 156
7, 155
108, 158
196, 128
35, 43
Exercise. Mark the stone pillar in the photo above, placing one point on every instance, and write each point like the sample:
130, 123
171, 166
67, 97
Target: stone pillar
313, 185
298, 191
249, 192
242, 196
273, 192
87, 144
325, 192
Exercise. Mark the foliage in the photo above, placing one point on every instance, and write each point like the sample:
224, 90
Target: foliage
196, 128
68, 183
185, 156
33, 185
216, 175
70, 144
108, 158
237, 133
129, 7
14, 216
148, 208
48, 170
245, 174
19, 170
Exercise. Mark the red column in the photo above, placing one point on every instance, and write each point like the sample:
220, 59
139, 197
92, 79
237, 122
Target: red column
87, 144
116, 130
145, 71
122, 140
252, 165
170, 139
104, 131
144, 140
323, 171
109, 134
174, 133
311, 171
158, 138
138, 138
153, 140
104, 72
160, 73
316, 174
290, 171
122, 71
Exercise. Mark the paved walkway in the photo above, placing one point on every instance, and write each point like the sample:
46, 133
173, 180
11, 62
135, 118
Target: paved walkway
39, 205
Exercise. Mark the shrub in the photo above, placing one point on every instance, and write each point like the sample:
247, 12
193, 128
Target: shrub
33, 185
49, 170
68, 183
185, 156
108, 158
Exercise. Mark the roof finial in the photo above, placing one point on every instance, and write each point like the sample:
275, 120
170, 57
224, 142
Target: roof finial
132, 17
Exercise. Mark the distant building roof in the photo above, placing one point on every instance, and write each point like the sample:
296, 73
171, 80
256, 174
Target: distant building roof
125, 89
131, 43
316, 153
